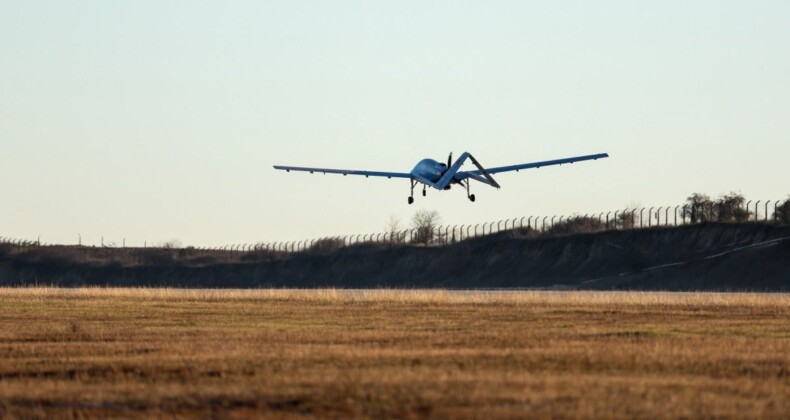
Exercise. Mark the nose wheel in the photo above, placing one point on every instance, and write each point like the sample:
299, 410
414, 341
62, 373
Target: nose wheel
472, 198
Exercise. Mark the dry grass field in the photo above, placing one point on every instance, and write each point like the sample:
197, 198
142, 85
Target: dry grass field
331, 353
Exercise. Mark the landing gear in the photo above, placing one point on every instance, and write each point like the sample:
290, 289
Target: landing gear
423, 191
470, 196
411, 197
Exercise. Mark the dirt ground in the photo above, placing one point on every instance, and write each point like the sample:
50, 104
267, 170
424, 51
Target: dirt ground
331, 353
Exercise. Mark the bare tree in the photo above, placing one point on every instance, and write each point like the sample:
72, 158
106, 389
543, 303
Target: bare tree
393, 228
626, 220
425, 222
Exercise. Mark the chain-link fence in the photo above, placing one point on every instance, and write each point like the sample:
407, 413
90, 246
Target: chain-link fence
762, 211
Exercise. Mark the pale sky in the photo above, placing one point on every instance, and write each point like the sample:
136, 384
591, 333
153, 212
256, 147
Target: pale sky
161, 120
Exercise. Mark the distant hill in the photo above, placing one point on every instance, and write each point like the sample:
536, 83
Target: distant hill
723, 257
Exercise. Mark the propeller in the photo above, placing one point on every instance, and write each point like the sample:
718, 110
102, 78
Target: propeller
450, 159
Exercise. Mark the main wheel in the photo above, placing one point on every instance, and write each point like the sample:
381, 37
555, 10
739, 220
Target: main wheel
472, 198
411, 200
424, 193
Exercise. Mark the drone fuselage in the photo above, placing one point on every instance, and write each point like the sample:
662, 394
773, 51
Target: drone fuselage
429, 169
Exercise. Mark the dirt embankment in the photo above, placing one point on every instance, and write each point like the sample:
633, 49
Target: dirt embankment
702, 257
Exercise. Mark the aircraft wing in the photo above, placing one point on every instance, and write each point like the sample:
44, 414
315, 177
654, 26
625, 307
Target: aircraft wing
344, 171
499, 169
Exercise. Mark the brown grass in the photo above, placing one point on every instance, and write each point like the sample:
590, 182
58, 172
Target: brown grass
386, 353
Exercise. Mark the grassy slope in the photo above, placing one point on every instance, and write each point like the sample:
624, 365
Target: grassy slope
125, 352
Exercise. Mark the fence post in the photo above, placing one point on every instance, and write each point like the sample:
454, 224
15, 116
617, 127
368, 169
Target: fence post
641, 219
766, 210
776, 211
756, 209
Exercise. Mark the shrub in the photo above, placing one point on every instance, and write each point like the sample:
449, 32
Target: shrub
701, 208
729, 208
326, 245
782, 214
577, 225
